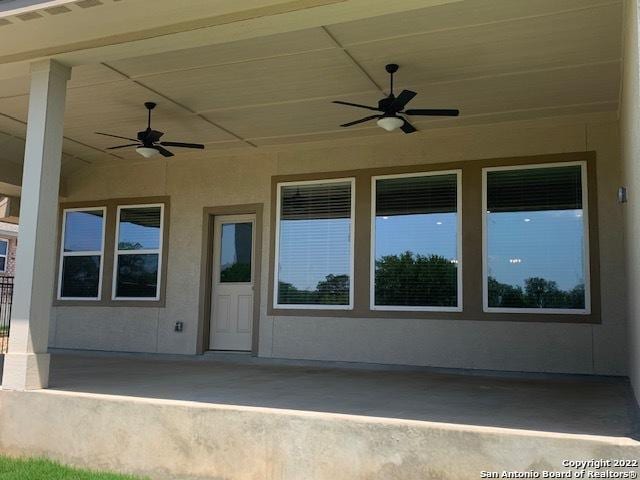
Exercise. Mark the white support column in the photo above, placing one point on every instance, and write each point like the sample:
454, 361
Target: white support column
26, 365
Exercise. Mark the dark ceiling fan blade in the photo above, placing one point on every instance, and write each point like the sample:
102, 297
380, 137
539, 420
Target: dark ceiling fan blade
116, 136
408, 128
362, 120
163, 151
402, 99
375, 109
182, 145
433, 112
124, 146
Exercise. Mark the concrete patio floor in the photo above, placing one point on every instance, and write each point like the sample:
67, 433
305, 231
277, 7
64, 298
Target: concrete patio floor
551, 403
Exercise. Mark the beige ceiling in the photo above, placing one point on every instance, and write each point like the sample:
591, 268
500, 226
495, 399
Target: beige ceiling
495, 60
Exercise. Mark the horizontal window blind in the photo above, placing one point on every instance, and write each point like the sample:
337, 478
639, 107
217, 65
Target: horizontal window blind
416, 241
416, 195
535, 231
315, 230
316, 201
537, 189
139, 228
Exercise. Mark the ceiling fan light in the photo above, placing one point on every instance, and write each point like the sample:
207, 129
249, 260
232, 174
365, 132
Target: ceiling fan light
147, 152
390, 123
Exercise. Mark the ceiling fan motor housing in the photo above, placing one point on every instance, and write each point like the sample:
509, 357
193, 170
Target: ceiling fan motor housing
391, 68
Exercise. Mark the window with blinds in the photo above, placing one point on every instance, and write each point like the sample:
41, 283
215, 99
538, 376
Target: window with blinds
536, 230
138, 252
82, 254
314, 244
416, 242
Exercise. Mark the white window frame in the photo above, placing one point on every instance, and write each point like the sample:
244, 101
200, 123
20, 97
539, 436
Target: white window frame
587, 258
64, 254
372, 259
6, 256
276, 269
118, 252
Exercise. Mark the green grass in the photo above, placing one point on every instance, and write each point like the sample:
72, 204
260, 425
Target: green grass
39, 469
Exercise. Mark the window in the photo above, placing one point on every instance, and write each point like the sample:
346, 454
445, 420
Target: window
536, 239
416, 242
4, 253
314, 245
82, 253
235, 252
138, 252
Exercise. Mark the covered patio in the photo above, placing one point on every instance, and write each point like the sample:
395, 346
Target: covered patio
236, 416
573, 404
224, 272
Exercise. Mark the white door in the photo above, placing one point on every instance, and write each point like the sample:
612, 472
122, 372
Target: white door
233, 282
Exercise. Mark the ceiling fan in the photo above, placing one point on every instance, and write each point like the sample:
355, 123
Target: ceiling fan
392, 106
147, 143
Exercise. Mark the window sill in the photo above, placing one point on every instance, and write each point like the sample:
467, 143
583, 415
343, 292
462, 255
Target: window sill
459, 315
109, 303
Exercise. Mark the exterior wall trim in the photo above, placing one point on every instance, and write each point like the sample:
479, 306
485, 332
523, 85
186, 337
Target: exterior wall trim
471, 241
206, 270
111, 206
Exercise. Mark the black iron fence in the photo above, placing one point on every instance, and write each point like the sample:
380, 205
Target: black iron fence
6, 300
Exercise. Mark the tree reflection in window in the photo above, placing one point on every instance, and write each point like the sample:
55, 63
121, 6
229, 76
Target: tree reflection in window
535, 233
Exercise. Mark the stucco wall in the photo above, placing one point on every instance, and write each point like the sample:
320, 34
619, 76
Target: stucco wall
630, 139
243, 177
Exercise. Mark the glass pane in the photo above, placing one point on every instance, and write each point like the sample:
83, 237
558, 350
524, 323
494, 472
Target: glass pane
235, 252
3, 263
137, 276
80, 276
139, 228
535, 235
3, 247
314, 250
416, 258
83, 231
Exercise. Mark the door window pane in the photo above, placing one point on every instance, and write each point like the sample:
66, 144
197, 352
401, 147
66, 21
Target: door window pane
3, 247
139, 228
235, 252
315, 235
3, 264
137, 276
416, 241
535, 230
